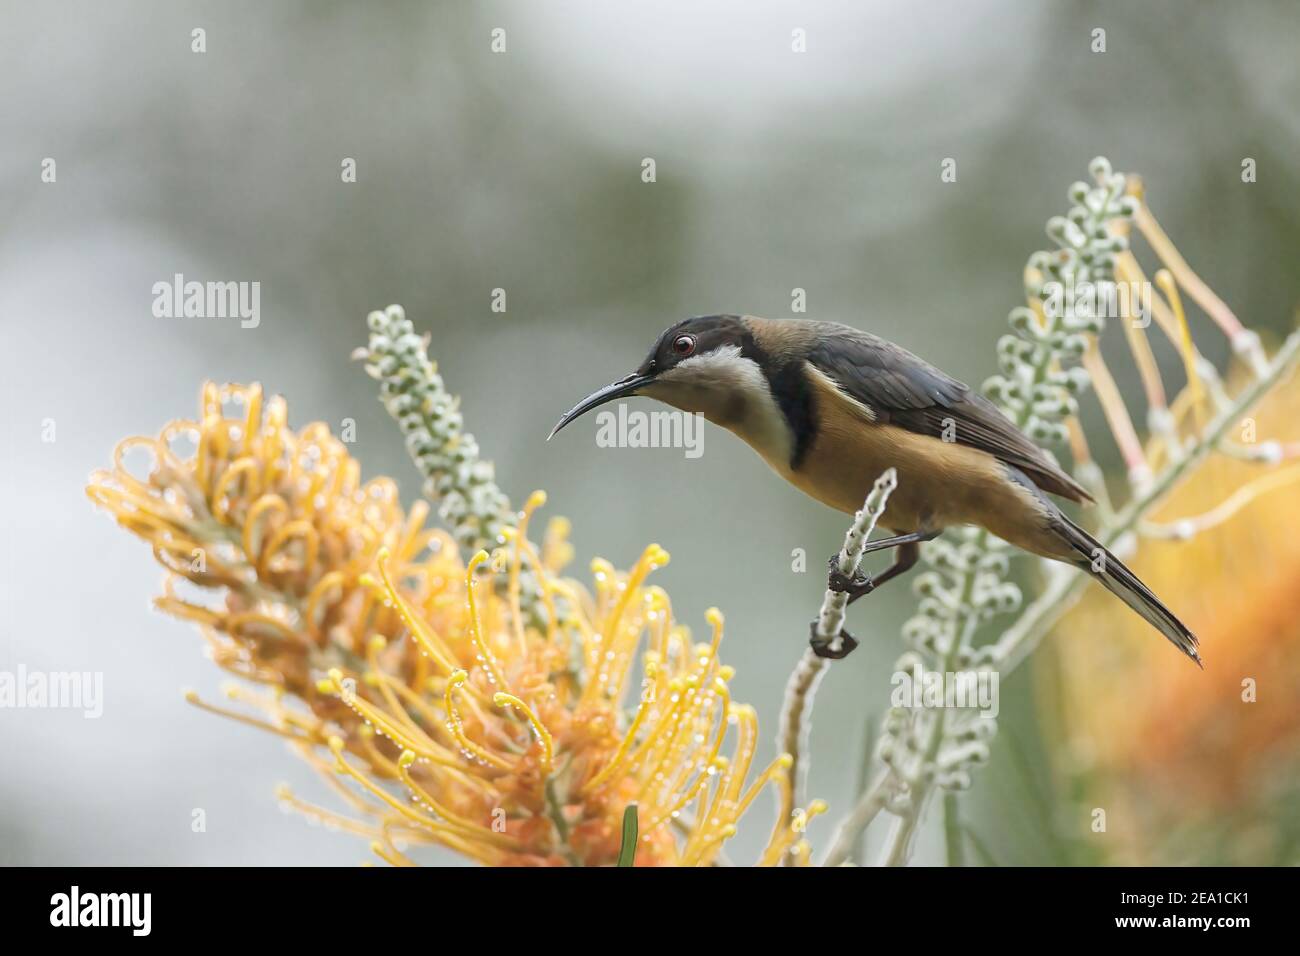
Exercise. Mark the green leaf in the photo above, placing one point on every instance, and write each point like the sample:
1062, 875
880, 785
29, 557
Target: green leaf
627, 852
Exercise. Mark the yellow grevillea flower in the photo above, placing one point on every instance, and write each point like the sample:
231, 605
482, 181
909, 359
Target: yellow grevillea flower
441, 712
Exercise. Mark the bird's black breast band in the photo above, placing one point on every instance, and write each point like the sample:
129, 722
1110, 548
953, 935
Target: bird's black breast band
792, 392
794, 396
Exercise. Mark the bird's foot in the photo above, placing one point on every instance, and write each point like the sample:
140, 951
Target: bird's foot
839, 582
832, 648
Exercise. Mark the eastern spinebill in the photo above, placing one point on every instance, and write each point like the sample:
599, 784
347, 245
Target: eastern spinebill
829, 408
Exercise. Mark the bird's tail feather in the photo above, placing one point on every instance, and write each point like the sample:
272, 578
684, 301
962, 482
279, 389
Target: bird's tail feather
1116, 578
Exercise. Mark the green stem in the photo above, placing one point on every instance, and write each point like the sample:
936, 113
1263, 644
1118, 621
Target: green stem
555, 811
864, 783
864, 811
952, 833
898, 846
981, 850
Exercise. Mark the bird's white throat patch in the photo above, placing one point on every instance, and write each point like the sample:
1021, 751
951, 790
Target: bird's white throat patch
723, 368
732, 391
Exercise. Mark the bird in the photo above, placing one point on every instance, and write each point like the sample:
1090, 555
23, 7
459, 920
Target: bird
829, 408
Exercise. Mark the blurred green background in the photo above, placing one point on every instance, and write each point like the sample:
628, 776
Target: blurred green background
522, 171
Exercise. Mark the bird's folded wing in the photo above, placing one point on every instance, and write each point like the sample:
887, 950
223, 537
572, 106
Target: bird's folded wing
904, 390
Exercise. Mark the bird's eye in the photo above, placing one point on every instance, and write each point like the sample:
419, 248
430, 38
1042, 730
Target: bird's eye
684, 345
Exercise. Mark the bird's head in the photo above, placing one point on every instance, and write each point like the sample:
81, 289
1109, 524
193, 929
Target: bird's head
707, 364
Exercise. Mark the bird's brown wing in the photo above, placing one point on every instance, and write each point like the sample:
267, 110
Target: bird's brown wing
904, 390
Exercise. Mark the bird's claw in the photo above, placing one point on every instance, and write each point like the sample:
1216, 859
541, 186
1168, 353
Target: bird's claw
826, 647
839, 582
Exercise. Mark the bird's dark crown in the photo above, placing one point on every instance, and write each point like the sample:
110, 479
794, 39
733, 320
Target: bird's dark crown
709, 332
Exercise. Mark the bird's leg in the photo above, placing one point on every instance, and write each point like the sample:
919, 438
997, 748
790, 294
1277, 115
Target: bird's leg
861, 584
905, 559
880, 544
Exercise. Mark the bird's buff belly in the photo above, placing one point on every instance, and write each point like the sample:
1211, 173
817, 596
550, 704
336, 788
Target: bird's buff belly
939, 484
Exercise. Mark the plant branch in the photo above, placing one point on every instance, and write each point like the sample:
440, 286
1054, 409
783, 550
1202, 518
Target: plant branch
801, 688
796, 714
802, 685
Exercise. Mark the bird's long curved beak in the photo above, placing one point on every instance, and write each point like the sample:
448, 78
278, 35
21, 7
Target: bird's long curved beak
623, 387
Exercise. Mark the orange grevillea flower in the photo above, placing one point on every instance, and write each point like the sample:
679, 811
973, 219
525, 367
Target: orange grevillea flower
1175, 750
441, 712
